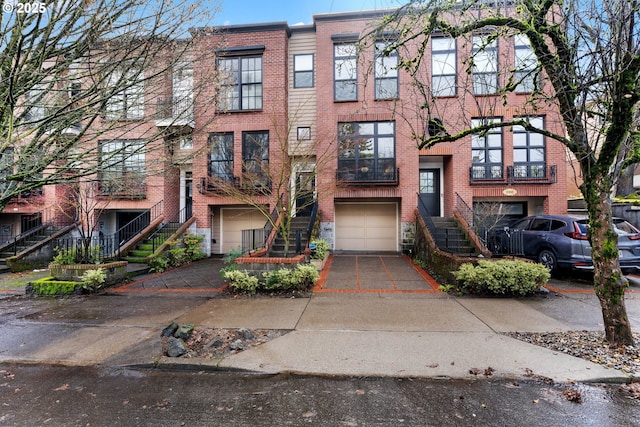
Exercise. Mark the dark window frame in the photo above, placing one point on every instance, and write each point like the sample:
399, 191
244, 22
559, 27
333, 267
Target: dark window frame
221, 162
256, 168
435, 54
487, 169
479, 79
353, 80
381, 73
357, 162
529, 168
297, 73
239, 87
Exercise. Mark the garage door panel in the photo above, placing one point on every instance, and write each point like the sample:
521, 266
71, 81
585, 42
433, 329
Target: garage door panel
234, 220
366, 226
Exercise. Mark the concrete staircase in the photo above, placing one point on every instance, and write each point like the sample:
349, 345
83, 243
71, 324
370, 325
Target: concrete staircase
449, 237
22, 245
297, 223
146, 247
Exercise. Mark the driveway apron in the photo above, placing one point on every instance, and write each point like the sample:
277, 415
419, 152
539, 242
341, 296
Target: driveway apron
365, 273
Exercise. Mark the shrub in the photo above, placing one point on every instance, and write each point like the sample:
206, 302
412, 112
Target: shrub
74, 255
229, 260
92, 280
300, 278
51, 286
158, 263
241, 281
322, 248
503, 277
193, 246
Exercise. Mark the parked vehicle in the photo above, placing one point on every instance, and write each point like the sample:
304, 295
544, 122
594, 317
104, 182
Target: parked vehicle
557, 241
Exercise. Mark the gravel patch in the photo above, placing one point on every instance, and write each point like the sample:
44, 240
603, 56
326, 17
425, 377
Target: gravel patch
589, 345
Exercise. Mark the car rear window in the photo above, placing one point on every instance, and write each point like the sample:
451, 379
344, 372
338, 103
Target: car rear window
624, 228
556, 224
582, 225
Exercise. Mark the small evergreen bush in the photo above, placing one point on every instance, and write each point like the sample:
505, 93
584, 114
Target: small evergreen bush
503, 277
322, 249
92, 280
285, 279
241, 281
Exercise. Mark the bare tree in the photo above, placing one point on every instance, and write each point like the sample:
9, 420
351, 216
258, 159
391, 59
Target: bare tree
77, 74
587, 64
278, 173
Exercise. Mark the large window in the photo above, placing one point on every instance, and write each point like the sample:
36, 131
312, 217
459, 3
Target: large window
7, 167
182, 104
486, 150
386, 72
529, 150
525, 65
221, 156
345, 72
34, 104
485, 65
303, 70
127, 101
240, 83
255, 158
443, 66
122, 164
366, 151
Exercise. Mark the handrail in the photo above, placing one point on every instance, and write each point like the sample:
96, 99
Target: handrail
312, 220
139, 223
465, 210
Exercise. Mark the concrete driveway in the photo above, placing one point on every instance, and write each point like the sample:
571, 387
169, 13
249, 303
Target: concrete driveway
374, 274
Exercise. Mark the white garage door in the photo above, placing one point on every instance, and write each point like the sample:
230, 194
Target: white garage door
366, 227
234, 220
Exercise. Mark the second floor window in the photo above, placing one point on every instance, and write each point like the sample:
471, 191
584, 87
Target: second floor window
485, 65
386, 72
35, 104
529, 150
366, 151
525, 65
127, 101
486, 151
345, 71
221, 156
255, 157
240, 83
303, 71
122, 167
443, 66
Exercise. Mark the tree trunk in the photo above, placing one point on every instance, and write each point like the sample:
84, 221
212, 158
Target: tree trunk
609, 283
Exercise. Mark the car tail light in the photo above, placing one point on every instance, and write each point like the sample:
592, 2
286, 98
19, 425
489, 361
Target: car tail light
576, 233
634, 237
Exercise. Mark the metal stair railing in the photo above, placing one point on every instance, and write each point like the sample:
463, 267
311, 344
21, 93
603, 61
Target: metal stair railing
139, 223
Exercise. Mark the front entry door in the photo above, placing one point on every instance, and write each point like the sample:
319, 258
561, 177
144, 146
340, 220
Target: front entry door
430, 190
305, 189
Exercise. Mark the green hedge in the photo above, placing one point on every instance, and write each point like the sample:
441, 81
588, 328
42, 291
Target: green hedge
301, 278
51, 286
503, 277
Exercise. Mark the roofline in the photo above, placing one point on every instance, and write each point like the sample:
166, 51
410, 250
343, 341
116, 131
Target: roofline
245, 28
359, 14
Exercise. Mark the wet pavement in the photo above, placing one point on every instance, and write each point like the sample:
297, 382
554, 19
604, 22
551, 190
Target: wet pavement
81, 396
370, 315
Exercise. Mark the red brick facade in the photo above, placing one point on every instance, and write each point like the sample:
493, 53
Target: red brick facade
448, 163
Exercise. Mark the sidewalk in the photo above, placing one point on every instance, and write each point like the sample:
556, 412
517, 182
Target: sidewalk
396, 325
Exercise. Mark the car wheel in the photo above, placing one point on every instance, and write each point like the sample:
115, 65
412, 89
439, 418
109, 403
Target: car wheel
547, 258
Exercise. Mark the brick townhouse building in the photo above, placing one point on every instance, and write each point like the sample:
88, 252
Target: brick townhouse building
345, 107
